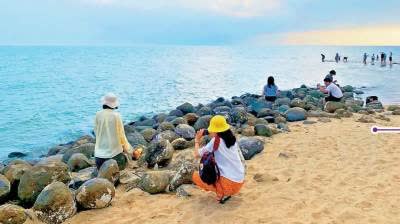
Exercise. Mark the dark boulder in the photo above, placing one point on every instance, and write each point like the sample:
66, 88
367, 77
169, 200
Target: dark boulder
176, 112
159, 152
203, 111
250, 146
296, 114
135, 139
298, 103
238, 115
159, 118
95, 193
110, 171
222, 110
56, 150
148, 134
202, 122
16, 155
55, 204
186, 108
282, 101
82, 176
263, 130
155, 182
77, 162
86, 149
256, 106
185, 131
167, 135
5, 188
191, 118
165, 126
180, 143
331, 106
179, 120
38, 177
12, 214
183, 175
347, 88
14, 173
146, 122
376, 105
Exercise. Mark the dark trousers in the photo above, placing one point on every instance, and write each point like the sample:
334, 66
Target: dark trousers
332, 98
270, 98
120, 158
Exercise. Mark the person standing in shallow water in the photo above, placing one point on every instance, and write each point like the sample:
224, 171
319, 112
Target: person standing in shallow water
337, 57
111, 142
228, 158
270, 91
323, 57
365, 58
390, 58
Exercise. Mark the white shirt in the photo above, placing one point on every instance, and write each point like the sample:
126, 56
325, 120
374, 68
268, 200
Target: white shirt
227, 159
110, 134
334, 90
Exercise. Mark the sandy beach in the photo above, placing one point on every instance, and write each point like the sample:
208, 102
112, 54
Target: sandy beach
335, 172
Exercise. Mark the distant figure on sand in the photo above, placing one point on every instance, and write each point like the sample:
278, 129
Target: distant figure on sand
337, 57
228, 173
270, 91
365, 58
377, 57
111, 142
333, 91
373, 59
323, 57
390, 58
330, 75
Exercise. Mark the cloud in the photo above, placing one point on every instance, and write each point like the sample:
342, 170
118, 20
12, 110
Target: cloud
233, 8
383, 35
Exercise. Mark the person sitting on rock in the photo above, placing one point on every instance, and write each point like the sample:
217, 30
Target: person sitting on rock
333, 91
228, 158
270, 91
111, 142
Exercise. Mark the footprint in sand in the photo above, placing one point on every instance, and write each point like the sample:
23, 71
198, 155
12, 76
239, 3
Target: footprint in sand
364, 205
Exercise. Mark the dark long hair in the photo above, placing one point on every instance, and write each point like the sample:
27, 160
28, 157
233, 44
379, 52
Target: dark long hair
107, 107
228, 137
271, 81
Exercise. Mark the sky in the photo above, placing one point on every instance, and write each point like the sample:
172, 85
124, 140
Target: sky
199, 22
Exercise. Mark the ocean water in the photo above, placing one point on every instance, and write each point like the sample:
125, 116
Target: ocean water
49, 95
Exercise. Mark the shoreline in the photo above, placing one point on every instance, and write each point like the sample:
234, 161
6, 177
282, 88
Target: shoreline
167, 141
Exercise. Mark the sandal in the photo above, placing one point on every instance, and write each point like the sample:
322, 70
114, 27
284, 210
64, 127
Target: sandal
224, 199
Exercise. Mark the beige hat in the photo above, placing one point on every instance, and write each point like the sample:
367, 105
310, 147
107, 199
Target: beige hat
110, 99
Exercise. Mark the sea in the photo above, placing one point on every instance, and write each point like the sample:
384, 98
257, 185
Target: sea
50, 94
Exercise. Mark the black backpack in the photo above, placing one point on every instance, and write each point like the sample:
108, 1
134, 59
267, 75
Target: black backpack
208, 170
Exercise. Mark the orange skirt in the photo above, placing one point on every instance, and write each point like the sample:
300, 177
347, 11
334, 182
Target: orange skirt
223, 187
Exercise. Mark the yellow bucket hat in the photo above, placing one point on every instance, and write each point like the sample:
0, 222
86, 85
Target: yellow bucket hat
218, 124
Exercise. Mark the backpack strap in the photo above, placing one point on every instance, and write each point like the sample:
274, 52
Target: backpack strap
217, 140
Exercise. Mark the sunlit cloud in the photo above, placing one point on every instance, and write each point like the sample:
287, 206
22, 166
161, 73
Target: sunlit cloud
384, 35
234, 8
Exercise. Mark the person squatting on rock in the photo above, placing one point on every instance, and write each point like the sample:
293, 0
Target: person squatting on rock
228, 158
333, 91
270, 91
111, 142
330, 76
